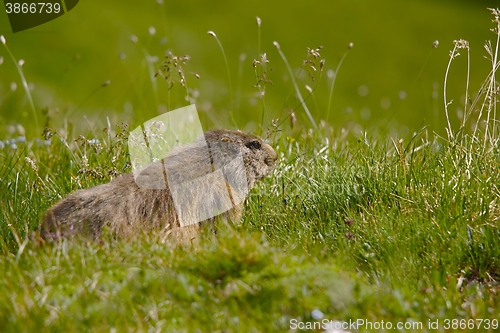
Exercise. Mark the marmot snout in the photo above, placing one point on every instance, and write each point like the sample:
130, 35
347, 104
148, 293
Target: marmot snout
125, 207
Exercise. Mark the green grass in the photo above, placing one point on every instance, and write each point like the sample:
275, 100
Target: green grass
356, 226
352, 228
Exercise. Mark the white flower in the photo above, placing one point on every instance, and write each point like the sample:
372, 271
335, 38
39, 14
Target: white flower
317, 314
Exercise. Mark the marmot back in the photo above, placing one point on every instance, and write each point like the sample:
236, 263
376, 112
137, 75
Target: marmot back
125, 207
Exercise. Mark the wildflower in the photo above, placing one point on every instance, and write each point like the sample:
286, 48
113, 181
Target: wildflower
255, 63
315, 52
349, 222
2, 145
263, 58
461, 44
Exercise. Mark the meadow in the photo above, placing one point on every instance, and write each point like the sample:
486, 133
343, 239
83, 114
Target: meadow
360, 220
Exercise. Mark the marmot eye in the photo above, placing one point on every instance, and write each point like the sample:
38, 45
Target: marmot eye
254, 144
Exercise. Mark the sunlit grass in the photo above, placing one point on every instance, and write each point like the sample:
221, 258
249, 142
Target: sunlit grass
352, 228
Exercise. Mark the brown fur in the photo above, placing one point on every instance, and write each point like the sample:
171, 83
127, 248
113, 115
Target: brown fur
125, 208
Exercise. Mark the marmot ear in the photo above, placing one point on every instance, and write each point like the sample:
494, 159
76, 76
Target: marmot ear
225, 139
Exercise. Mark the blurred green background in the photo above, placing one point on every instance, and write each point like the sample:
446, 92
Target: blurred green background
391, 80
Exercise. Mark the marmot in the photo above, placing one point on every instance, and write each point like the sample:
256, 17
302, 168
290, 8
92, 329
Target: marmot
125, 207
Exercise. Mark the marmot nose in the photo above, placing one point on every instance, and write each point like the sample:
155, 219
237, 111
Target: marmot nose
271, 155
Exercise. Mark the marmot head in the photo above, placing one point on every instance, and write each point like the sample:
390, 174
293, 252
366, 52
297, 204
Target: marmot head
258, 156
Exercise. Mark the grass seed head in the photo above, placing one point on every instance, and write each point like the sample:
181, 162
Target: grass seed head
134, 38
496, 13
